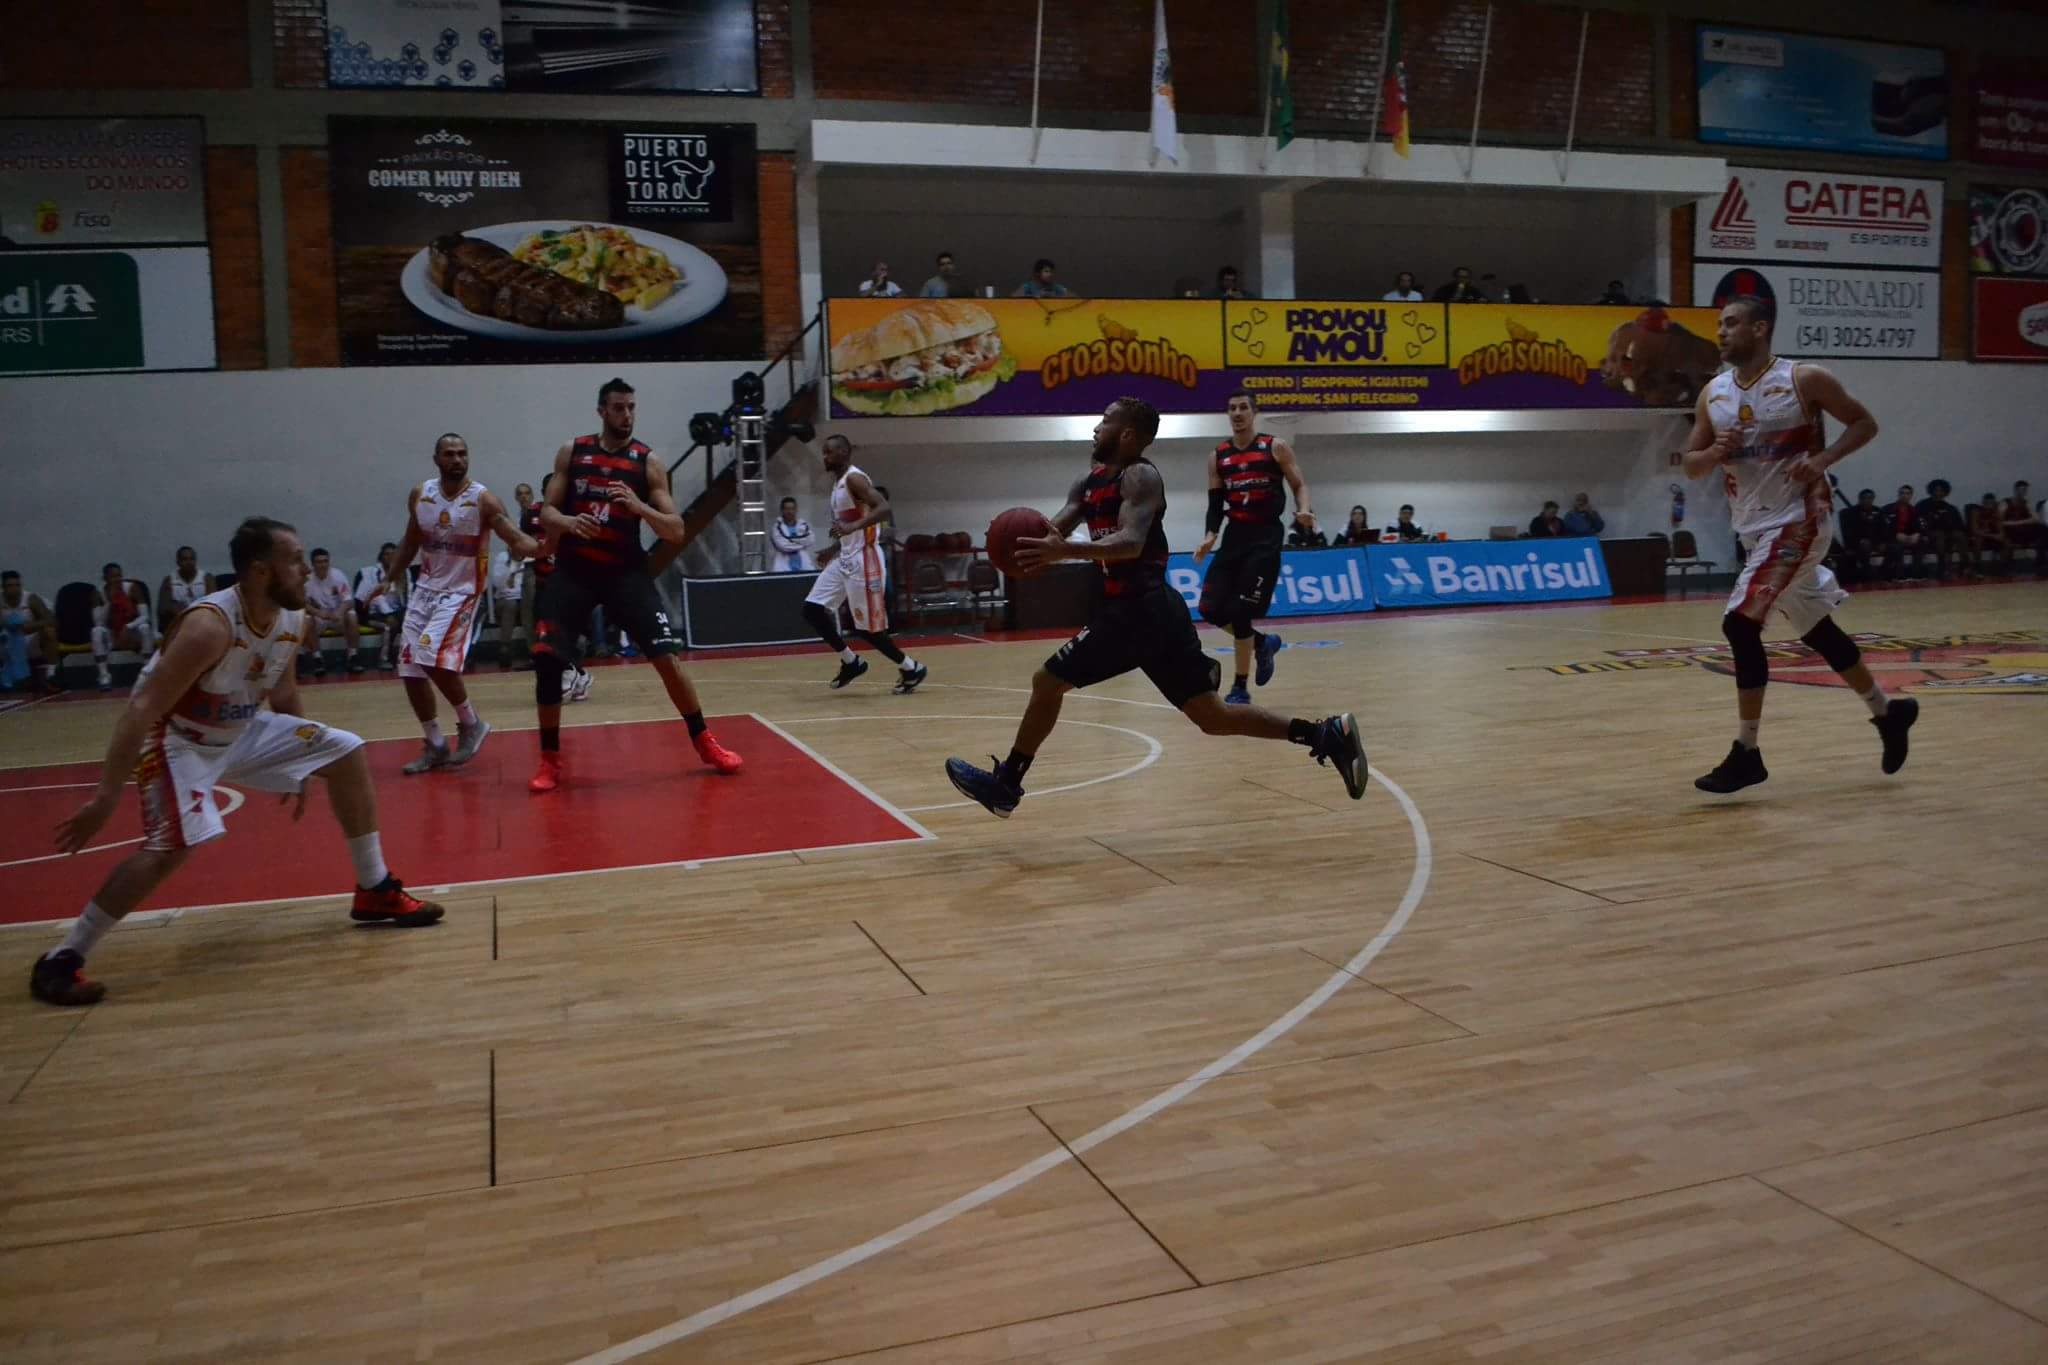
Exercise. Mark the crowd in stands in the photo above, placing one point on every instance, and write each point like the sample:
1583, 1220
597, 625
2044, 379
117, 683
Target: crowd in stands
1897, 540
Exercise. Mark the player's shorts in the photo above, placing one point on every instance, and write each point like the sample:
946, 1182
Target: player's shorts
273, 753
630, 601
1242, 574
1782, 571
437, 631
1151, 632
859, 577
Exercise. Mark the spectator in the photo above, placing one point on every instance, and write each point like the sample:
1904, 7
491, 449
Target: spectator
1307, 538
1908, 538
330, 606
1358, 530
1404, 290
26, 625
1227, 286
1546, 524
1460, 289
1943, 526
508, 601
120, 620
1582, 520
1867, 531
384, 610
2024, 527
1987, 533
1613, 294
1405, 526
791, 536
1041, 285
879, 285
942, 284
181, 588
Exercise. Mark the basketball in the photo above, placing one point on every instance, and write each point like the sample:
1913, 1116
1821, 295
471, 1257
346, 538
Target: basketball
1010, 527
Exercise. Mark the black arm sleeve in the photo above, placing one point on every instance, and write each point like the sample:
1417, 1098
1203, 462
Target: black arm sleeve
1214, 520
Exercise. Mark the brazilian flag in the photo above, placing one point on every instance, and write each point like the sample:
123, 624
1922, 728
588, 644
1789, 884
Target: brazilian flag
1279, 92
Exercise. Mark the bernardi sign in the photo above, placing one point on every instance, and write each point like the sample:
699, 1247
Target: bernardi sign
1829, 218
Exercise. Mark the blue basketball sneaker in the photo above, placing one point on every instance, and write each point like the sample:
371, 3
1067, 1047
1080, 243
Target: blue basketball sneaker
1263, 652
988, 789
1237, 696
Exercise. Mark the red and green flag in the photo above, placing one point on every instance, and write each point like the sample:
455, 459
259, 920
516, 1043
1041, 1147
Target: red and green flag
1394, 96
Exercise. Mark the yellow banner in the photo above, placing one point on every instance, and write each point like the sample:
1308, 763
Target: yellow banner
1039, 330
1284, 333
1660, 355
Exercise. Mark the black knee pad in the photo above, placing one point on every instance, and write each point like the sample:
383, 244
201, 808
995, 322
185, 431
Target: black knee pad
547, 678
825, 623
1218, 617
1832, 643
1241, 623
1746, 637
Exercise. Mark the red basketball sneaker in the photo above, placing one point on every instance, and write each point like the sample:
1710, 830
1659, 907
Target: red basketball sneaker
389, 901
548, 775
716, 754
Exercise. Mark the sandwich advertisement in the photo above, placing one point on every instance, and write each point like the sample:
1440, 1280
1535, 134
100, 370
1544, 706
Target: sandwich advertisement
475, 241
1769, 89
1072, 356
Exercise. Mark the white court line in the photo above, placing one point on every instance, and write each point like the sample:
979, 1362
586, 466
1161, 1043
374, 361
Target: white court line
235, 800
1418, 882
56, 786
844, 776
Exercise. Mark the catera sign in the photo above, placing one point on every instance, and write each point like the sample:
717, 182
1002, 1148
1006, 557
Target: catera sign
1821, 218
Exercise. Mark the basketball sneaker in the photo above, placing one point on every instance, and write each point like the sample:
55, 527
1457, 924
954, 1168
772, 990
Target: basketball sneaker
579, 686
1745, 768
1336, 741
389, 902
849, 669
987, 789
1899, 715
907, 684
1262, 653
59, 979
548, 775
468, 739
432, 756
1237, 696
716, 754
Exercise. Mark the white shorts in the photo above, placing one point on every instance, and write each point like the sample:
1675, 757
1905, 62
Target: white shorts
437, 631
859, 577
273, 753
1782, 572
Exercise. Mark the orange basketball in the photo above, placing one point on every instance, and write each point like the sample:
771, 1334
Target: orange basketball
1010, 527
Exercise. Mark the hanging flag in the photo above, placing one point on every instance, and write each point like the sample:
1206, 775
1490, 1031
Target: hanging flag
1165, 128
1394, 98
1279, 91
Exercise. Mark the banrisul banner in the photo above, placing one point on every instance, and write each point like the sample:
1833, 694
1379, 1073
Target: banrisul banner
1461, 572
1312, 582
1821, 218
1876, 314
2008, 230
67, 182
1770, 89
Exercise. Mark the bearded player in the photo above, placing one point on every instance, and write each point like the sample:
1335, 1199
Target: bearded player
1245, 474
195, 720
1142, 622
1761, 422
604, 488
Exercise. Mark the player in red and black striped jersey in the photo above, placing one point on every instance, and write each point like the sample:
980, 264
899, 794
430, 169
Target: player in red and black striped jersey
1142, 622
604, 487
1245, 474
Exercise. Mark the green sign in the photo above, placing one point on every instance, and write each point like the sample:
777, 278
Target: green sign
68, 311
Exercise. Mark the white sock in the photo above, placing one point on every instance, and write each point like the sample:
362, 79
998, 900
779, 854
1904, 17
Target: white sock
432, 730
1875, 699
87, 930
466, 713
367, 853
846, 654
909, 665
1748, 732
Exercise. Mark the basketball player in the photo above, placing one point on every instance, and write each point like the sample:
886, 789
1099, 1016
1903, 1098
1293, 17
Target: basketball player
1244, 485
604, 487
1141, 623
1760, 421
575, 677
855, 573
195, 720
449, 521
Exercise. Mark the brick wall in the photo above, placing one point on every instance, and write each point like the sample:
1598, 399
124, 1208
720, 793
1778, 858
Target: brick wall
127, 45
298, 43
236, 235
309, 257
781, 300
774, 48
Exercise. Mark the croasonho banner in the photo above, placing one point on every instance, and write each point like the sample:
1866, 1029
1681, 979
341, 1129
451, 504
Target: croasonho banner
1821, 218
1312, 582
1771, 89
1457, 572
1011, 357
2008, 230
2008, 318
476, 241
2010, 127
1875, 314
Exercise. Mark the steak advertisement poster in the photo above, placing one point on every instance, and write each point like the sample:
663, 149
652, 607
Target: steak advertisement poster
475, 241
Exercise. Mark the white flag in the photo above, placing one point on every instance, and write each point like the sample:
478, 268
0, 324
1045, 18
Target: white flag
1165, 128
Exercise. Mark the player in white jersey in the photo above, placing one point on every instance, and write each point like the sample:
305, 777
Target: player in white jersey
856, 573
1761, 422
196, 719
448, 524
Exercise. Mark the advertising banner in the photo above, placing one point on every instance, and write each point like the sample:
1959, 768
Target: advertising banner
1461, 572
1770, 89
1821, 218
2008, 318
84, 312
1072, 356
2010, 124
466, 242
69, 182
2008, 230
1872, 314
1312, 582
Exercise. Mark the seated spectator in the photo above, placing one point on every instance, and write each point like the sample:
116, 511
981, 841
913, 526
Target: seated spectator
120, 620
879, 285
181, 588
1942, 524
330, 606
1582, 520
1613, 294
2024, 528
1405, 526
1306, 538
943, 284
1358, 530
791, 536
1042, 285
27, 629
1460, 289
1227, 286
380, 608
1987, 534
1866, 531
1547, 523
1404, 290
1909, 541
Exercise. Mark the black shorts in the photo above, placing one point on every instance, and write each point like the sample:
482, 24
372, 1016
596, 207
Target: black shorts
1151, 632
1243, 573
630, 601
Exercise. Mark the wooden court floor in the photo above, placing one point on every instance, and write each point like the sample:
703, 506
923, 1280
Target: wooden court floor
1618, 1072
